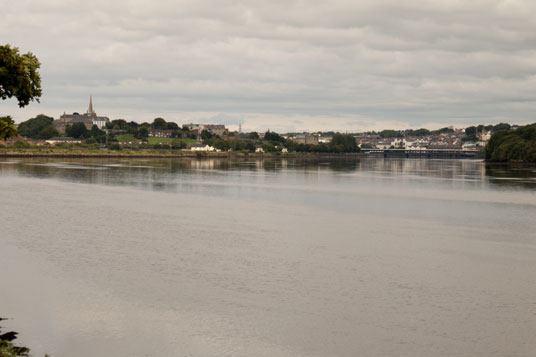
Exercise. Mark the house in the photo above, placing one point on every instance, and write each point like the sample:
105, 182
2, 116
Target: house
201, 147
469, 146
160, 133
383, 145
399, 143
63, 140
484, 138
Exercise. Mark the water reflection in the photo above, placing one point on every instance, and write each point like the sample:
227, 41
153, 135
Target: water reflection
171, 174
511, 176
281, 257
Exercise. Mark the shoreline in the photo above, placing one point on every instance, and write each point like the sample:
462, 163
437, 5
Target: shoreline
186, 155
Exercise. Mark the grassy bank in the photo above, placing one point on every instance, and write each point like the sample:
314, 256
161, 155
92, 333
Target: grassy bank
75, 152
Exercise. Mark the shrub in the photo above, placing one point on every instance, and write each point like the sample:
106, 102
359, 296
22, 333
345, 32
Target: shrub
161, 146
20, 144
178, 144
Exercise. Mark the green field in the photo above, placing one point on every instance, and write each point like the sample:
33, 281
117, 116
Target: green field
188, 141
126, 138
153, 140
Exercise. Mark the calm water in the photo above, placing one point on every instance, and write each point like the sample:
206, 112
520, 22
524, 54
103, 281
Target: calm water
269, 258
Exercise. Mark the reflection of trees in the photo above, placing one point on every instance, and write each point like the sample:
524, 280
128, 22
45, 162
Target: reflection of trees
343, 165
511, 176
154, 173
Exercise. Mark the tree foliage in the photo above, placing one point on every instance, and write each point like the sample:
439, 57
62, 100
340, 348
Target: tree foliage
172, 126
205, 134
97, 134
253, 135
7, 346
390, 134
501, 126
346, 141
470, 131
39, 127
444, 130
19, 77
159, 124
143, 132
178, 144
269, 147
77, 130
273, 136
47, 133
485, 127
20, 144
7, 127
417, 132
515, 145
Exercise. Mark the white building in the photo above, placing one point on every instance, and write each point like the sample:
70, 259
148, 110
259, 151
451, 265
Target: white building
202, 147
399, 143
383, 145
63, 140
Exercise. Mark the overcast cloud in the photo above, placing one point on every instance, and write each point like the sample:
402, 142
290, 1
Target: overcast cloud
284, 65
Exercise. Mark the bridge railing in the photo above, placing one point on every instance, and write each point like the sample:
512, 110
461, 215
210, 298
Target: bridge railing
423, 152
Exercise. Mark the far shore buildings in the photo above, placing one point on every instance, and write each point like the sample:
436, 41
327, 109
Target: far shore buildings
63, 140
307, 139
201, 147
89, 119
157, 133
217, 129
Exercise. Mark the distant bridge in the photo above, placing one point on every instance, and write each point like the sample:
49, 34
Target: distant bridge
428, 153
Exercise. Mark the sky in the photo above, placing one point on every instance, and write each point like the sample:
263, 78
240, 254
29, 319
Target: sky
281, 65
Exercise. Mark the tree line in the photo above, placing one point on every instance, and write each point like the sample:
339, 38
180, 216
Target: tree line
41, 128
273, 142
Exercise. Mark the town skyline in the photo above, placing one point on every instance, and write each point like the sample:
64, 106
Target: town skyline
239, 126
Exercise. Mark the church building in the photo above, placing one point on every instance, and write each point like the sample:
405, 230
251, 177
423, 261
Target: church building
89, 118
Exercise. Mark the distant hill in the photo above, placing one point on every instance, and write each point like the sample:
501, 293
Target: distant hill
513, 145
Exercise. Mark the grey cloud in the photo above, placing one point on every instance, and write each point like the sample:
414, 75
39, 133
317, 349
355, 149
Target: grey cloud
276, 63
222, 118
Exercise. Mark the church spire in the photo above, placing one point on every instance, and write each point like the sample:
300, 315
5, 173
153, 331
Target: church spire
90, 111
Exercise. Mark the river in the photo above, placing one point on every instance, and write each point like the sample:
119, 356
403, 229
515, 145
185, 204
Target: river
281, 257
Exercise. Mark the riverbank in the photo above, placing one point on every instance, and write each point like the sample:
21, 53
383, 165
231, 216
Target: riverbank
51, 153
